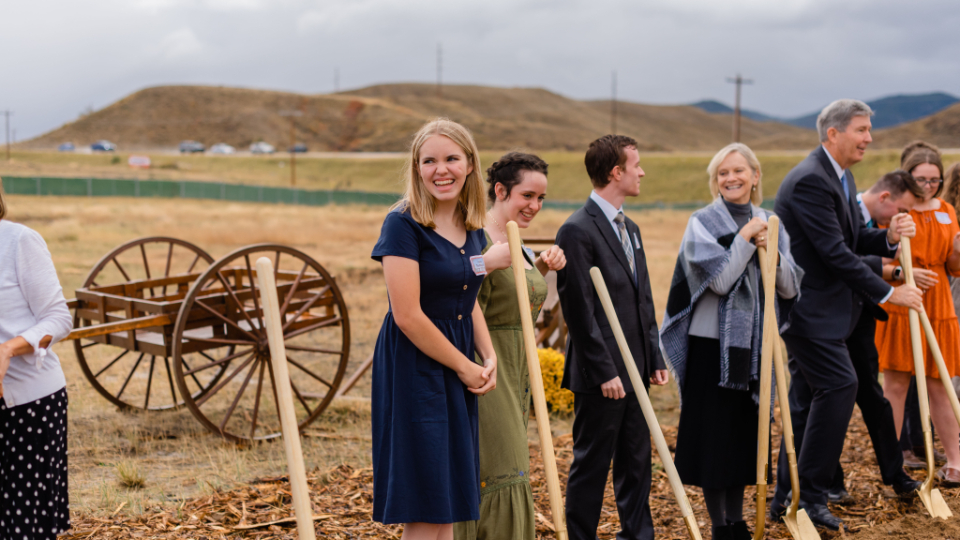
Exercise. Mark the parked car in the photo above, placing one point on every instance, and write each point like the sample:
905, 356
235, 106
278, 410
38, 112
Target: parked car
298, 148
262, 148
222, 148
192, 147
103, 146
66, 147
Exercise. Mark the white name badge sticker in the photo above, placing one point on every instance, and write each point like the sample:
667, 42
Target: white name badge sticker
636, 241
479, 268
943, 217
529, 253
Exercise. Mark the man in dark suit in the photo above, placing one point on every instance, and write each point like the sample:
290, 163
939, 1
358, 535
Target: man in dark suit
896, 192
609, 423
818, 207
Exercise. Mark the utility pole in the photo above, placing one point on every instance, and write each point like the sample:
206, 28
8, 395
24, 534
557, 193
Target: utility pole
7, 114
439, 69
293, 141
739, 81
336, 79
613, 103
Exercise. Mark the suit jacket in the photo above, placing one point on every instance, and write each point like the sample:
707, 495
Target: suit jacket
827, 235
593, 356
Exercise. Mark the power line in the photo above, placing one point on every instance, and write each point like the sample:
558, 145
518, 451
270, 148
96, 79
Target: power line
7, 114
739, 81
613, 103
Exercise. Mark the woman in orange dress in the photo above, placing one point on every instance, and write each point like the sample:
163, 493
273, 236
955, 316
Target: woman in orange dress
936, 254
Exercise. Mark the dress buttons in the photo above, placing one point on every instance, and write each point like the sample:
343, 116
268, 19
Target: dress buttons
459, 317
462, 252
464, 287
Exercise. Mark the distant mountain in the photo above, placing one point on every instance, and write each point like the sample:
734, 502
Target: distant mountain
716, 107
941, 129
890, 111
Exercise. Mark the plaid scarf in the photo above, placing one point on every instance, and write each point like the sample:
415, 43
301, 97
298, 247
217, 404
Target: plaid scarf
704, 253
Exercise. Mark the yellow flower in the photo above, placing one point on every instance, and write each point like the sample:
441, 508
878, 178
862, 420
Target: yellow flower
559, 400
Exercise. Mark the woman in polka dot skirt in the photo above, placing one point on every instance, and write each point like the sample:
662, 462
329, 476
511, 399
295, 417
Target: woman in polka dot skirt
33, 396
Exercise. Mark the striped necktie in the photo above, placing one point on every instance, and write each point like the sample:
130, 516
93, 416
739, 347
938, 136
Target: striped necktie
625, 241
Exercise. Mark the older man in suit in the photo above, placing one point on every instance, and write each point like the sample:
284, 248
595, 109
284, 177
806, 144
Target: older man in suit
609, 424
817, 205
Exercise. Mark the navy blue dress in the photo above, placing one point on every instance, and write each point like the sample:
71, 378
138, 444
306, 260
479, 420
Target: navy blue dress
426, 457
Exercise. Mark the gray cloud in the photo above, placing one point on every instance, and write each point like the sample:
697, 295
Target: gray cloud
61, 57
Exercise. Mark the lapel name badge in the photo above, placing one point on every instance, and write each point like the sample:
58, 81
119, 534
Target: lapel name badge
529, 253
636, 241
479, 268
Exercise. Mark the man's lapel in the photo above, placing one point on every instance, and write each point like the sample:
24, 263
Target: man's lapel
606, 230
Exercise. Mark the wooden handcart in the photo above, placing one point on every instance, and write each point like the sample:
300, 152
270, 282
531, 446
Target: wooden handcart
158, 325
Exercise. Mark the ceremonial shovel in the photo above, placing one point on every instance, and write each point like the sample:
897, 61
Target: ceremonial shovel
932, 498
795, 518
662, 449
536, 383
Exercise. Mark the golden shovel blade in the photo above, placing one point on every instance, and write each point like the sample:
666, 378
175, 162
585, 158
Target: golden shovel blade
933, 500
799, 525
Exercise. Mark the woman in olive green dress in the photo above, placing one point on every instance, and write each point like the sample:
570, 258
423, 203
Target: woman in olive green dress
518, 184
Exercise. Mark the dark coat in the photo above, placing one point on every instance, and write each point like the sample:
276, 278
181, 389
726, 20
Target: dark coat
827, 235
593, 356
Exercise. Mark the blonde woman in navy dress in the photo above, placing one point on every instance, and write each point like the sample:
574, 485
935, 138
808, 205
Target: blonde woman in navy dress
426, 467
33, 395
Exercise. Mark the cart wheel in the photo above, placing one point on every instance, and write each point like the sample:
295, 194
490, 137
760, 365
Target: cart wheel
222, 310
130, 379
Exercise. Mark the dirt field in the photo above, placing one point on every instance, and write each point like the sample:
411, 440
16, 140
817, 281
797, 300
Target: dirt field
185, 469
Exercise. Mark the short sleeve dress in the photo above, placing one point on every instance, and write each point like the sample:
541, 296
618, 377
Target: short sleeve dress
506, 502
930, 249
426, 465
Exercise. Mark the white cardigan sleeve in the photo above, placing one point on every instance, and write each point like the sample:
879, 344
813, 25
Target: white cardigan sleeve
41, 288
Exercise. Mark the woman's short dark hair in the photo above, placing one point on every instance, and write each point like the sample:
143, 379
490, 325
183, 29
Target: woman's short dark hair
918, 153
507, 171
604, 154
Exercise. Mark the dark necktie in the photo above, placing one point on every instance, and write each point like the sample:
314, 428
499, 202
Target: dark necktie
625, 241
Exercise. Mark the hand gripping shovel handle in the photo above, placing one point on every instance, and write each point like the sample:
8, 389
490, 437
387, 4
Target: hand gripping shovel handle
536, 383
796, 520
288, 417
648, 414
766, 365
931, 498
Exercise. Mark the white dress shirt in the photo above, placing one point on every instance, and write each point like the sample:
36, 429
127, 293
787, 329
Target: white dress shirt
608, 210
32, 307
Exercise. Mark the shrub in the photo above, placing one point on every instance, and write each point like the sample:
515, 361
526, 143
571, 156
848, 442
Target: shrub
559, 400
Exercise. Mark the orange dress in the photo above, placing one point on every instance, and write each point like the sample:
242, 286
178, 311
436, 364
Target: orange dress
930, 249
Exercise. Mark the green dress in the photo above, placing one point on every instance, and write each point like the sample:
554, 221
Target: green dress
506, 500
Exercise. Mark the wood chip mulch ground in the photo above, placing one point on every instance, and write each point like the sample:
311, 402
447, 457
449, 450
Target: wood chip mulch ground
342, 500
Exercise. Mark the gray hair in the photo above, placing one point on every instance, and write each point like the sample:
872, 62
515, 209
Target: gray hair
838, 115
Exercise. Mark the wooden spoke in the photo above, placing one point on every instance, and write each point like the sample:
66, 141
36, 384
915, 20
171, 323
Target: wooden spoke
308, 372
300, 398
216, 362
130, 376
311, 328
91, 344
276, 266
166, 364
153, 361
305, 307
203, 399
243, 310
194, 263
194, 377
311, 349
122, 271
166, 270
220, 316
256, 400
146, 266
218, 340
293, 289
108, 366
246, 381
253, 291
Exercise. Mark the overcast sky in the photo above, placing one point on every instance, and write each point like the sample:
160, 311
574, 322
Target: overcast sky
63, 56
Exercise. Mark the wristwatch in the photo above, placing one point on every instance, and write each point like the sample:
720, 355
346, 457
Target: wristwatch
898, 273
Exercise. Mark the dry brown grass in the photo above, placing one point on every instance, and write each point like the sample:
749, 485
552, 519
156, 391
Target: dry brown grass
176, 457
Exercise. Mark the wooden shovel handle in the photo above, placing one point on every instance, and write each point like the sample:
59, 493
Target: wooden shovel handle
648, 414
536, 383
770, 340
